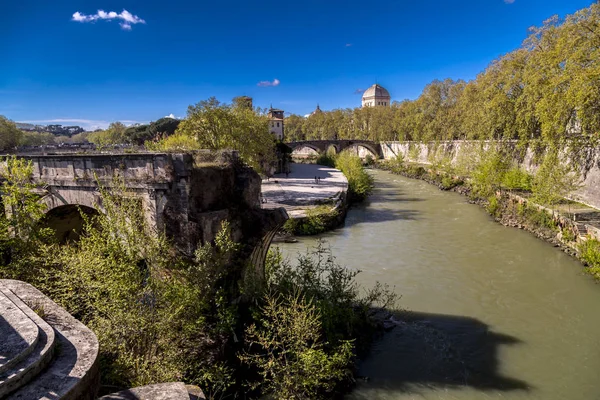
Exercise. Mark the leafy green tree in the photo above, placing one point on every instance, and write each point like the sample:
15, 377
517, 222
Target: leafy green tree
217, 126
554, 180
9, 134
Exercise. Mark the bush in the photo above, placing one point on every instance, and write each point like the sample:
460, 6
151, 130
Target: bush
589, 252
517, 179
318, 220
333, 290
326, 159
287, 349
493, 206
360, 183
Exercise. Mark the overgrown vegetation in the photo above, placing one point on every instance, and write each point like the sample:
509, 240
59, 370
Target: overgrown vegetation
213, 125
206, 320
318, 220
360, 183
589, 251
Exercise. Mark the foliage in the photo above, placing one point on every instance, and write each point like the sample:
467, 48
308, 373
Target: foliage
38, 138
23, 242
493, 205
332, 289
287, 349
9, 134
515, 178
554, 180
537, 216
546, 89
327, 159
115, 134
360, 183
216, 126
488, 173
589, 252
176, 142
160, 316
317, 220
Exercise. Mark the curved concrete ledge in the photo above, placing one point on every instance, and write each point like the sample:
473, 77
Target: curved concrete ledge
73, 372
30, 363
18, 332
159, 391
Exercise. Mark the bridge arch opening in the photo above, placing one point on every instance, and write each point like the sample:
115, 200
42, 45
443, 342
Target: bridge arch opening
332, 149
305, 150
68, 221
362, 151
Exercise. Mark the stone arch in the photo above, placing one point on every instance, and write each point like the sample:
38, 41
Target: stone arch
68, 221
333, 147
362, 150
300, 146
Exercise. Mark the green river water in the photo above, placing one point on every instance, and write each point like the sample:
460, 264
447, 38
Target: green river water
494, 313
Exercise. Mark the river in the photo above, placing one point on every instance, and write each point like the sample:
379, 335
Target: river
493, 311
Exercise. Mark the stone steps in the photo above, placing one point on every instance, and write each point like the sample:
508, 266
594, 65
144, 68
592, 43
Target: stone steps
33, 330
61, 364
18, 332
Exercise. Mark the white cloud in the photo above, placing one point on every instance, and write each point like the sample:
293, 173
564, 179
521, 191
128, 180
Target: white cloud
127, 19
275, 82
348, 44
171, 116
509, 1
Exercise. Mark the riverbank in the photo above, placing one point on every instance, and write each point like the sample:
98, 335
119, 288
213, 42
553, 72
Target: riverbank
574, 227
314, 196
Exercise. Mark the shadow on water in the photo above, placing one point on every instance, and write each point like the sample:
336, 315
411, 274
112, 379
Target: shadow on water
378, 215
437, 351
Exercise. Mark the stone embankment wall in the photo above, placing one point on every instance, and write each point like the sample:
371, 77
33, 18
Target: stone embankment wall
425, 153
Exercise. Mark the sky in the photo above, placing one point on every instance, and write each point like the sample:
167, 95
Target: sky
92, 62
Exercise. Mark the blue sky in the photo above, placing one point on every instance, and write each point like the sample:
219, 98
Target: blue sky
158, 57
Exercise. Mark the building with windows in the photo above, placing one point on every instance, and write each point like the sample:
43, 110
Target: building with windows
276, 123
376, 96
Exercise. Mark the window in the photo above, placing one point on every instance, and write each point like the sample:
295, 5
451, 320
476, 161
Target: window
272, 124
278, 124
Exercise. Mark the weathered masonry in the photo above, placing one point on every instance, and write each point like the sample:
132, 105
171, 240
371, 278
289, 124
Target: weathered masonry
322, 146
185, 195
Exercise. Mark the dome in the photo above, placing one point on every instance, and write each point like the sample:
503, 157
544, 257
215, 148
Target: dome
376, 91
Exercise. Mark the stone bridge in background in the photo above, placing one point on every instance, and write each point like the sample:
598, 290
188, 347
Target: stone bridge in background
187, 195
361, 147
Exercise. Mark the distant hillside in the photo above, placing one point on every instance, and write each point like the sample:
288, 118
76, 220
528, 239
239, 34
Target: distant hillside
58, 130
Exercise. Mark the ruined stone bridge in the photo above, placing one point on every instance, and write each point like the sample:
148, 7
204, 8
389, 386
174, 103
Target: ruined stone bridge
361, 147
187, 195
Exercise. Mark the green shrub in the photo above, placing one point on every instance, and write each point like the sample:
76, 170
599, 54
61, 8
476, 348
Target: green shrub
326, 159
589, 251
360, 183
334, 291
493, 206
568, 235
488, 173
287, 349
517, 179
318, 220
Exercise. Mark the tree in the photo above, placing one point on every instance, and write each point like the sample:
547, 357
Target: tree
9, 134
218, 126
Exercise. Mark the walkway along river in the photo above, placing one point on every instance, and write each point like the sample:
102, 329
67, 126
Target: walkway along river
492, 312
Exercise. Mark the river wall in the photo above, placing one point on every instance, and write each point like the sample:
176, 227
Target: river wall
588, 160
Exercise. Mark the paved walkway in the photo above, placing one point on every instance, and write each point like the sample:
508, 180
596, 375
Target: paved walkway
298, 191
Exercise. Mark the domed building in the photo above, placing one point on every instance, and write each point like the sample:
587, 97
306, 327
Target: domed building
376, 95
